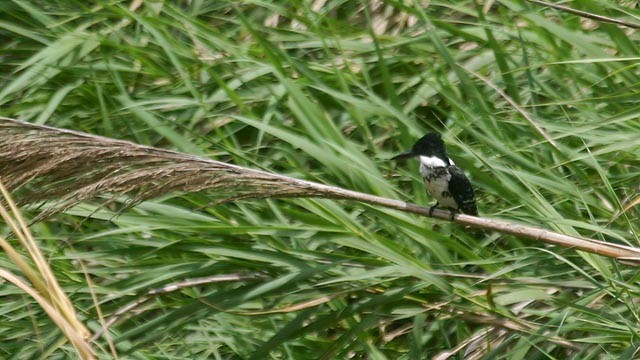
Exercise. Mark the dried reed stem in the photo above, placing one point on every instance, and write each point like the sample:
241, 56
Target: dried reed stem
65, 167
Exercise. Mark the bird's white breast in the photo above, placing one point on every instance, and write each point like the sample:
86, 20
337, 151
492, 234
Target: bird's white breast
436, 177
431, 162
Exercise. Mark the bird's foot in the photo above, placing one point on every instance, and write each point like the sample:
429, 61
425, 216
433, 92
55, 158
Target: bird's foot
432, 208
452, 214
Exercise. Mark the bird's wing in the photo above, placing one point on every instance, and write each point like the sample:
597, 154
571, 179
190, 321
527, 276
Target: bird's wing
462, 191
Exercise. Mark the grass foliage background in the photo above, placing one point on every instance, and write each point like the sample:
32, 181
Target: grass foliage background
328, 91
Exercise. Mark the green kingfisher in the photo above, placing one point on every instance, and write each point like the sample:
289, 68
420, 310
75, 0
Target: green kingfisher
445, 182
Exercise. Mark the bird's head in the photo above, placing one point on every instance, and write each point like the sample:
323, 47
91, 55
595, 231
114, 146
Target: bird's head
428, 145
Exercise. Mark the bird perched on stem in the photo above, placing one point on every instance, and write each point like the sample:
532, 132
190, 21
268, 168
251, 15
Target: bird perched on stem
445, 182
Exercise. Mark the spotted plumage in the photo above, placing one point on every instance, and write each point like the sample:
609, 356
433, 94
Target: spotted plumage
444, 181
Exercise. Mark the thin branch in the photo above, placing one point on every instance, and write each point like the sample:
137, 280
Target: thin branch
67, 167
587, 15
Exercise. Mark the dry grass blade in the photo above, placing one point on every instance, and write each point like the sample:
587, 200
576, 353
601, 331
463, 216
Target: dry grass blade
66, 167
515, 325
76, 337
43, 279
167, 289
47, 292
586, 14
539, 129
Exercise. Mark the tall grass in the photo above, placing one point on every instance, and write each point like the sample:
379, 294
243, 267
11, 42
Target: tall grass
537, 105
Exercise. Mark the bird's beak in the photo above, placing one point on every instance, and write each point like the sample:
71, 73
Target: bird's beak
404, 155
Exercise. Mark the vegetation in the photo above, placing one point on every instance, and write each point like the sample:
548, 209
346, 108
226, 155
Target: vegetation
538, 105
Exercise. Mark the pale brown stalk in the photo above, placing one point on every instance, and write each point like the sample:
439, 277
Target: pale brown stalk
65, 167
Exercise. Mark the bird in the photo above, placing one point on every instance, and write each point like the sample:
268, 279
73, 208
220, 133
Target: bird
445, 182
